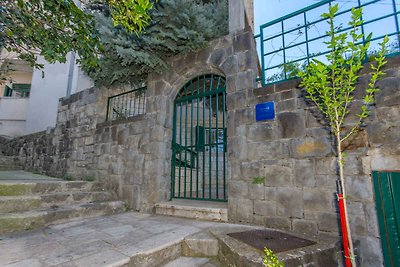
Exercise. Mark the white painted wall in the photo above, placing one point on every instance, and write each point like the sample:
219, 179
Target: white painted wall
47, 90
12, 116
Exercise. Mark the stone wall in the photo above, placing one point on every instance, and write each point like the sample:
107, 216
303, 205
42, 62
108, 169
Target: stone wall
133, 155
294, 153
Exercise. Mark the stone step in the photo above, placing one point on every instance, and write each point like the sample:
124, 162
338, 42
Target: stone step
29, 220
193, 262
8, 163
202, 210
201, 244
18, 188
30, 202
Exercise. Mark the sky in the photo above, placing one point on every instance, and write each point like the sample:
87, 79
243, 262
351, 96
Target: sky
267, 10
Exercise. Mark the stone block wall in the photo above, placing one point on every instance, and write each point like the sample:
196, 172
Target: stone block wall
295, 154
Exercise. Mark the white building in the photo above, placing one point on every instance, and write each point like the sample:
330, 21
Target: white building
29, 98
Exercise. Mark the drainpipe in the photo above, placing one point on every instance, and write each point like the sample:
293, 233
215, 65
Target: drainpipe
71, 73
71, 64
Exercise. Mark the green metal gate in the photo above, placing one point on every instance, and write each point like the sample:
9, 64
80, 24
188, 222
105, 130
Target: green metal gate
199, 140
387, 196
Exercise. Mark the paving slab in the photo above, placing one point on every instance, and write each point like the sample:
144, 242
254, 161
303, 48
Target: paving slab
192, 262
23, 176
103, 241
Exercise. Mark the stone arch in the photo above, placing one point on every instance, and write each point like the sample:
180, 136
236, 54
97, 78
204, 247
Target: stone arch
232, 57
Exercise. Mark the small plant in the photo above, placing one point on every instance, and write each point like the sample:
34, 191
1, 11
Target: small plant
270, 259
88, 178
258, 180
126, 207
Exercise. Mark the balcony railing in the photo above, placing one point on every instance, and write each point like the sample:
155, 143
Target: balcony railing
287, 44
127, 104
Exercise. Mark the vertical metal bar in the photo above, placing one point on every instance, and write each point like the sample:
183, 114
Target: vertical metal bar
204, 137
180, 149
224, 127
262, 55
306, 33
140, 105
198, 138
216, 141
120, 106
134, 105
126, 106
173, 160
144, 102
191, 139
284, 50
131, 95
186, 144
210, 138
397, 22
108, 108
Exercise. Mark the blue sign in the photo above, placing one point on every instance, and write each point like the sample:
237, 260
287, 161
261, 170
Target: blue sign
265, 111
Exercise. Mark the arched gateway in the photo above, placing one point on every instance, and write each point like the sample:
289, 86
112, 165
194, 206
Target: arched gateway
199, 140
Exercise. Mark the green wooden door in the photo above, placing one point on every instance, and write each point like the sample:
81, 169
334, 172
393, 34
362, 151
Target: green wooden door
199, 140
387, 196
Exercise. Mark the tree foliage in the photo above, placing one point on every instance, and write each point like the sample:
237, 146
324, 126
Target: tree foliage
177, 27
331, 86
51, 28
133, 15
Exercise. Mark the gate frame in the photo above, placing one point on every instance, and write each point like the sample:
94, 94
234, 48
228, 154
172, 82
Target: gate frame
176, 102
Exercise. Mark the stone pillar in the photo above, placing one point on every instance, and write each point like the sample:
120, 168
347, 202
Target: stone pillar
249, 7
241, 15
236, 16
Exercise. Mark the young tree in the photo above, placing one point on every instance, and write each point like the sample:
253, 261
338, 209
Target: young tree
331, 87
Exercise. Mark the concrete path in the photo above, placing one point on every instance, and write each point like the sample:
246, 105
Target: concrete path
23, 176
104, 241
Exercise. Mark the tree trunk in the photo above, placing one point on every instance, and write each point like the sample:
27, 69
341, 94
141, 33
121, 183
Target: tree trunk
341, 179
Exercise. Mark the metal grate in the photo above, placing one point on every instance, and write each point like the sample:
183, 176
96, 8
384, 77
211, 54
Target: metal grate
288, 44
127, 104
274, 240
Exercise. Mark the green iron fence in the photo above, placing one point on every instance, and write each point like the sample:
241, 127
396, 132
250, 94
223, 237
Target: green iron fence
199, 140
127, 104
288, 44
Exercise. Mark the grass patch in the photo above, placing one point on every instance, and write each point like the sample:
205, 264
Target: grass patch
258, 180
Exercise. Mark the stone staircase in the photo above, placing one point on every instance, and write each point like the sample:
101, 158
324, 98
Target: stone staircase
29, 201
8, 163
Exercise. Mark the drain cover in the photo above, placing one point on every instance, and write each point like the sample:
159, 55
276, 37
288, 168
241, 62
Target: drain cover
274, 240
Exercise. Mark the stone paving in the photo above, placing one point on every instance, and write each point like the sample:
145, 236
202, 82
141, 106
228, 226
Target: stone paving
23, 176
104, 241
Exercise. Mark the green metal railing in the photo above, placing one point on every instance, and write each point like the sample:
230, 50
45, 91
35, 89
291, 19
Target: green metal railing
287, 44
127, 104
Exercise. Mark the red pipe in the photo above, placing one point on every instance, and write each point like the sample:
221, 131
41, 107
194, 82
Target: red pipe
345, 238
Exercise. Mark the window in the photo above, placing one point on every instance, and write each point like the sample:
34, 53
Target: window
20, 90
